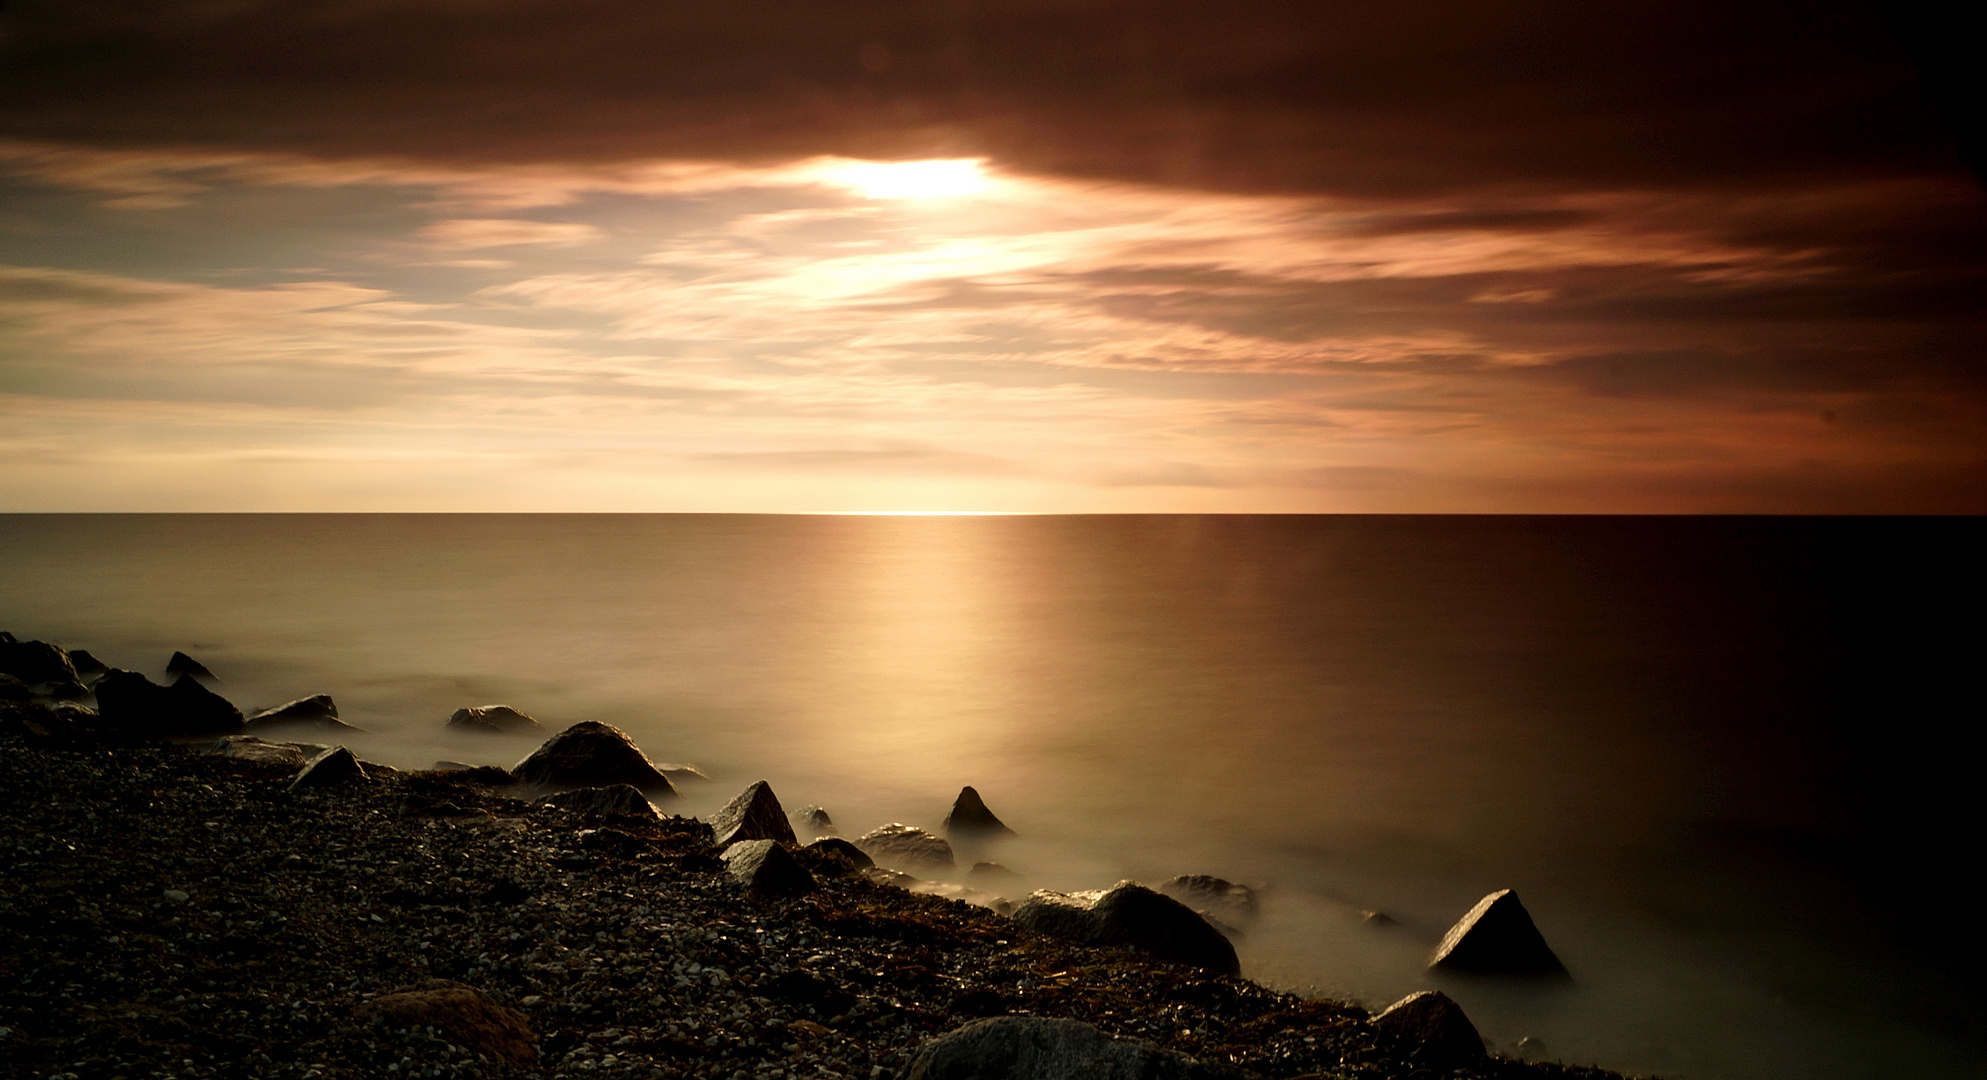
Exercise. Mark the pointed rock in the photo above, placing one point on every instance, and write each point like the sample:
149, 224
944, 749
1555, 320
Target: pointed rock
754, 815
813, 821
610, 801
1131, 914
906, 848
129, 701
1448, 1039
334, 766
493, 720
766, 868
1498, 937
592, 754
317, 712
971, 819
182, 664
88, 668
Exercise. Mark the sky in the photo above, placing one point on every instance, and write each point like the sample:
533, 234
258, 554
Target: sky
1511, 256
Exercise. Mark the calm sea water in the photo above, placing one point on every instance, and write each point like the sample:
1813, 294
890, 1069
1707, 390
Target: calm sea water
1723, 760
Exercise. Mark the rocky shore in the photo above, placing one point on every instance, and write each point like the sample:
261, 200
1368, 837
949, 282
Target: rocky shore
169, 911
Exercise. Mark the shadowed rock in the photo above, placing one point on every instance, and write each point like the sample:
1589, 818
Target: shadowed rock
614, 799
333, 766
906, 848
36, 663
1498, 937
131, 702
493, 720
991, 874
764, 867
250, 748
182, 664
317, 713
592, 754
1038, 1048
88, 668
754, 815
1448, 1039
836, 847
1133, 915
465, 1015
970, 819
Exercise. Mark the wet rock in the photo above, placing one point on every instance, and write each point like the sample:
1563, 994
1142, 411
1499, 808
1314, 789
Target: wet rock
88, 668
317, 713
895, 879
333, 766
970, 819
467, 1016
592, 754
1037, 1048
754, 814
250, 748
680, 773
493, 720
991, 874
36, 663
1498, 937
765, 868
906, 848
613, 800
1215, 898
836, 847
814, 821
1133, 915
182, 664
1446, 1038
129, 701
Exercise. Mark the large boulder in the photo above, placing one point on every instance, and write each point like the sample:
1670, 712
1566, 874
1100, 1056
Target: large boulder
316, 712
464, 1015
766, 869
493, 720
754, 814
36, 663
131, 702
1039, 1048
182, 664
592, 754
614, 800
1447, 1038
1131, 914
970, 819
329, 768
906, 848
1498, 937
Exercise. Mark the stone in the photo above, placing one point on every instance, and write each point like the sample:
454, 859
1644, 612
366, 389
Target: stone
609, 801
182, 664
88, 668
1447, 1038
493, 720
36, 663
1129, 914
814, 821
754, 814
131, 702
680, 774
834, 847
970, 819
991, 874
1040, 1048
766, 869
1214, 897
68, 691
1498, 937
465, 1015
333, 766
906, 848
317, 713
13, 689
250, 748
592, 754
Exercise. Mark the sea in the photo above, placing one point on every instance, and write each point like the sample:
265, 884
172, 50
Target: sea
1724, 761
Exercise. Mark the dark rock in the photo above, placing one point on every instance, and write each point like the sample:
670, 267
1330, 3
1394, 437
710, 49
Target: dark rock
754, 815
991, 874
36, 663
1498, 937
906, 848
1039, 1048
129, 701
333, 766
68, 691
374, 768
467, 1016
814, 821
250, 748
493, 720
13, 689
1447, 1038
766, 868
88, 668
613, 800
1378, 919
971, 819
1215, 898
681, 774
1131, 914
317, 712
450, 766
592, 754
182, 664
836, 847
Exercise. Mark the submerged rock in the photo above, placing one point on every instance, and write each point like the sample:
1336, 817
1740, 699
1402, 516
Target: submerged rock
1131, 914
991, 874
970, 819
131, 702
465, 1015
182, 664
36, 663
814, 821
493, 720
592, 754
1448, 1039
906, 848
334, 766
754, 814
1214, 897
1038, 1048
764, 867
1498, 937
316, 712
608, 801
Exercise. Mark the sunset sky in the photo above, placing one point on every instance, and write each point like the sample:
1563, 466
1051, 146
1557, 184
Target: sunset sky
1082, 255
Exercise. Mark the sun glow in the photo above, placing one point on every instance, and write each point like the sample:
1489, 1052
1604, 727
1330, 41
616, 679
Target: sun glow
943, 178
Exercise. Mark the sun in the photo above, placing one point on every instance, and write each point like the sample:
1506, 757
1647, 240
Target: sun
936, 179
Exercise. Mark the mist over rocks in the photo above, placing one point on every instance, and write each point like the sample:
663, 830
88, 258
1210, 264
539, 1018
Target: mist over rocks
1218, 900
36, 663
182, 664
1498, 937
814, 821
316, 712
129, 701
493, 720
1446, 1039
906, 847
1132, 915
752, 814
970, 819
592, 754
